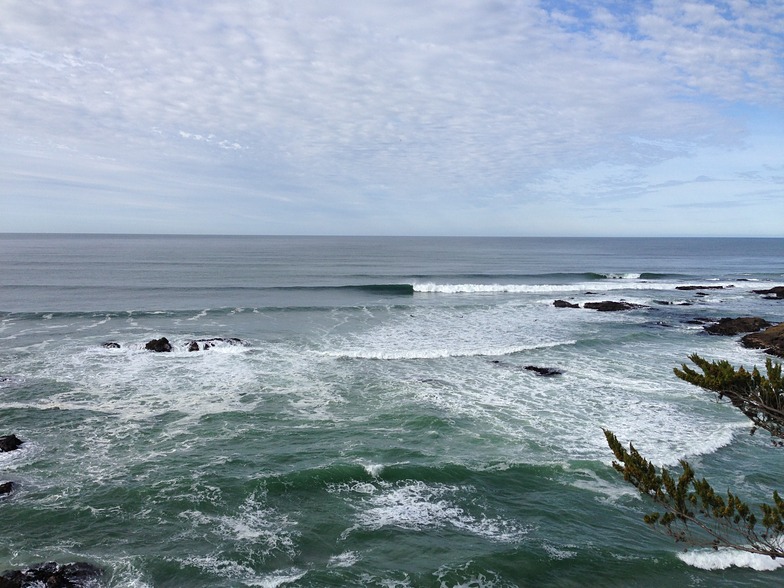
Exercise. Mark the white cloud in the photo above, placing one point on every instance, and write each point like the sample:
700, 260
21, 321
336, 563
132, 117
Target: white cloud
377, 106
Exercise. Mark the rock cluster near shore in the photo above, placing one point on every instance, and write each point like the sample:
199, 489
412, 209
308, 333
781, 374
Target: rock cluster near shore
771, 340
776, 293
8, 443
52, 575
759, 333
163, 345
604, 306
736, 326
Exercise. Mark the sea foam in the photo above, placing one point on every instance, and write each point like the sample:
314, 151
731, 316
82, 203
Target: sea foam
721, 559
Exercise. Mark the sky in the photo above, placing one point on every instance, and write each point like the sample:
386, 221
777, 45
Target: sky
396, 117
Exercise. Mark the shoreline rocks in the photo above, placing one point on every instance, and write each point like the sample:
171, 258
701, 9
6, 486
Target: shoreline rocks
210, 343
771, 340
565, 304
775, 293
543, 371
52, 575
604, 306
161, 345
736, 326
10, 443
687, 288
611, 306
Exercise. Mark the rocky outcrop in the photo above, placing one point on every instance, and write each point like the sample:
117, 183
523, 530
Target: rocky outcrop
52, 575
6, 488
10, 443
736, 326
543, 371
161, 345
700, 287
205, 344
110, 345
611, 306
565, 304
776, 293
771, 340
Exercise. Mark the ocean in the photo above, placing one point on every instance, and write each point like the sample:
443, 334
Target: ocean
363, 415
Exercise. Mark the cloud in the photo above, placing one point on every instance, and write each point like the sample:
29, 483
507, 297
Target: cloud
378, 105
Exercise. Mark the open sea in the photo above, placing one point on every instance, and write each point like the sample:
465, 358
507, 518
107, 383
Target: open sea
364, 416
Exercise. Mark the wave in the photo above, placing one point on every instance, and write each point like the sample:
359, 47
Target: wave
376, 354
722, 558
603, 286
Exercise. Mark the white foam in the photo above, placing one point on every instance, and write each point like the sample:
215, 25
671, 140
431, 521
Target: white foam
233, 570
627, 282
374, 469
416, 505
557, 553
721, 559
344, 560
360, 353
255, 524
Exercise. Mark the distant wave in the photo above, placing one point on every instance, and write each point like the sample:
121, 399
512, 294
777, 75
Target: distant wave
397, 354
622, 283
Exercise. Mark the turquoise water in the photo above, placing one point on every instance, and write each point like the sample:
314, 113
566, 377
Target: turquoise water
376, 425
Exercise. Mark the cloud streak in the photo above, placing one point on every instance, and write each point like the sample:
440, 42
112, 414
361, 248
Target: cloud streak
380, 110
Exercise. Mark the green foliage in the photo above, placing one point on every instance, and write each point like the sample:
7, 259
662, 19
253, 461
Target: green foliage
760, 398
694, 512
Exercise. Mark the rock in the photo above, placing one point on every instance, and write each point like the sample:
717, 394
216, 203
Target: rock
699, 321
668, 303
736, 326
771, 340
10, 442
565, 304
543, 371
611, 306
6, 488
110, 345
776, 293
52, 575
205, 344
700, 287
159, 345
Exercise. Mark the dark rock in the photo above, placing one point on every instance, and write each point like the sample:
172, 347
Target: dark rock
111, 345
10, 442
159, 345
565, 304
6, 488
736, 326
543, 371
205, 344
669, 303
771, 340
699, 321
776, 293
611, 306
52, 575
700, 287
